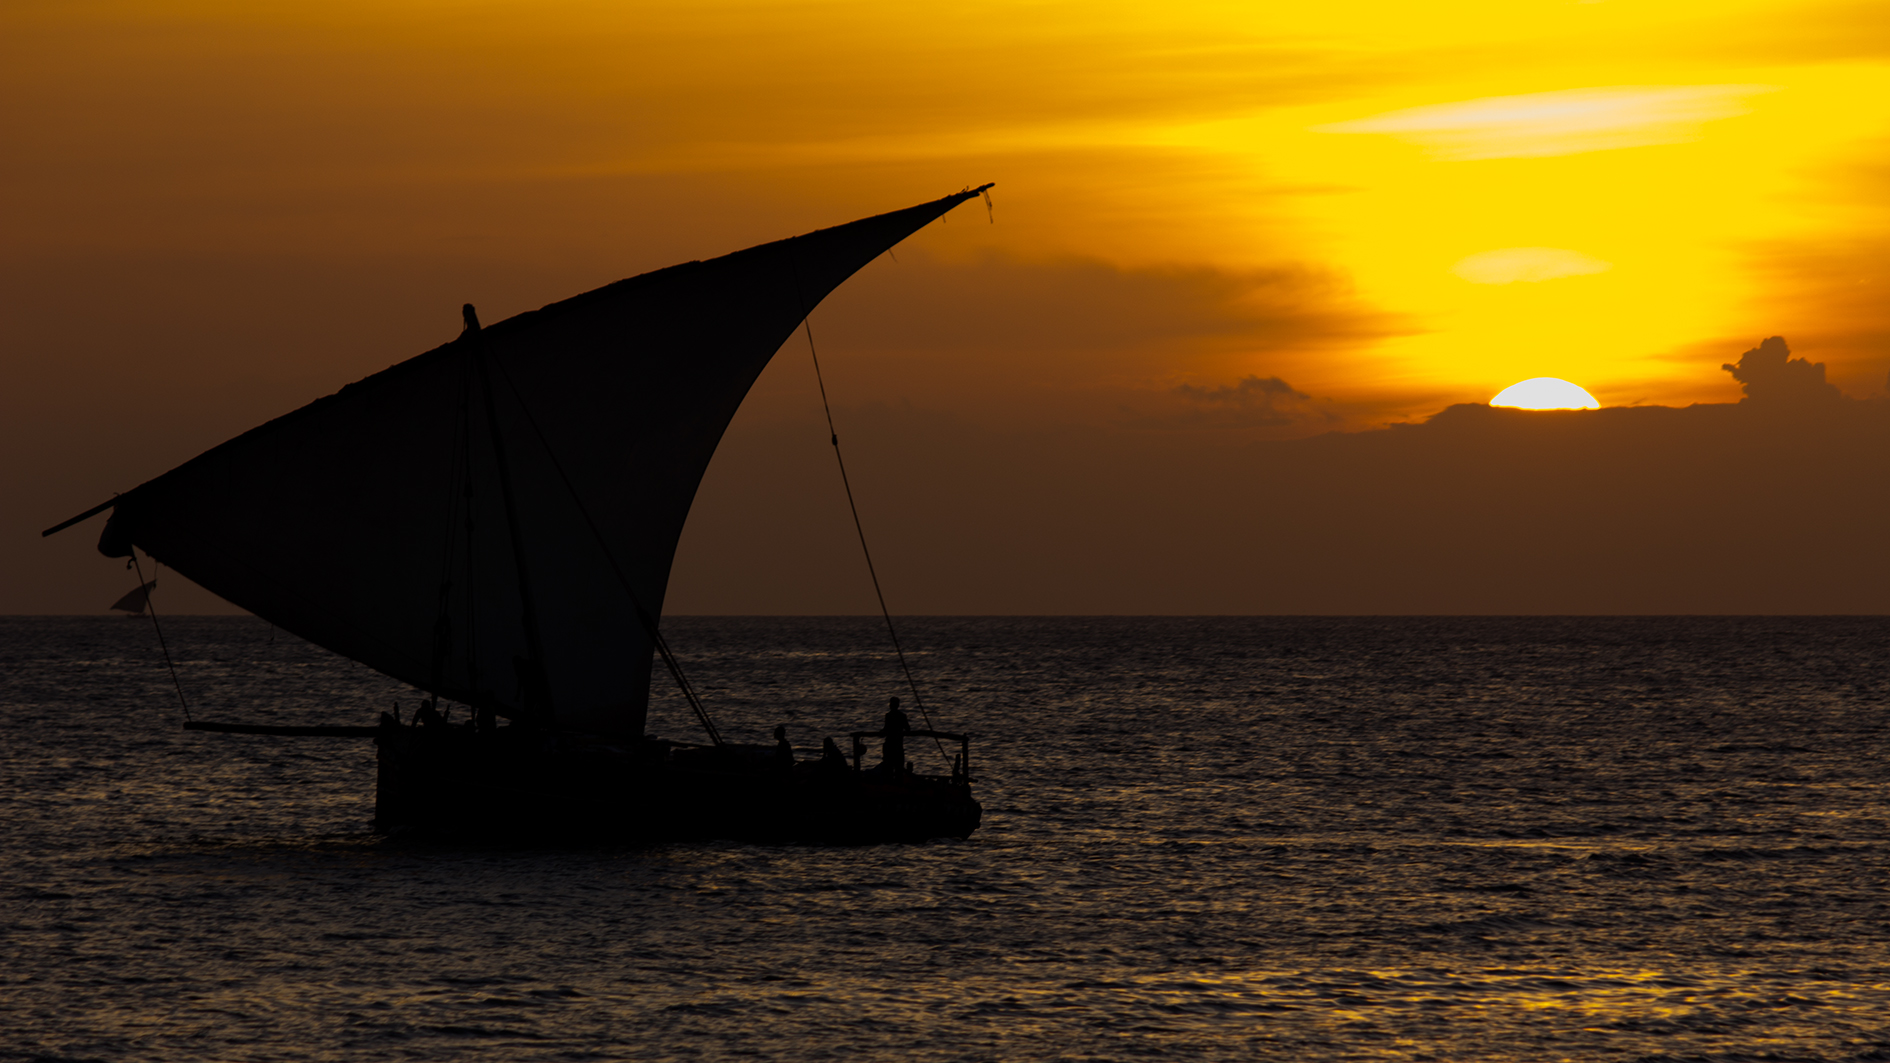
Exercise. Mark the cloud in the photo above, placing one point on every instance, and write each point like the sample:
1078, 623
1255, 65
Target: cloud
1250, 402
1003, 339
1712, 508
1773, 378
1796, 33
1249, 391
1559, 123
1508, 265
1836, 293
996, 301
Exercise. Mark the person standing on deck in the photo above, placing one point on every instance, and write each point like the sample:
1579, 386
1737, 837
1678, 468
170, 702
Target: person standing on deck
783, 751
894, 757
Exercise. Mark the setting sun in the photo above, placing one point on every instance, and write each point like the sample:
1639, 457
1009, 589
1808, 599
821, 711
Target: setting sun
1545, 393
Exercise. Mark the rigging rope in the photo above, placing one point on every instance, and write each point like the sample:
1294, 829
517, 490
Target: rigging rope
643, 616
834, 438
152, 610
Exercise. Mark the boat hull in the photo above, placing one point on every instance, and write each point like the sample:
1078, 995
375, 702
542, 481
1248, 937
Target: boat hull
452, 781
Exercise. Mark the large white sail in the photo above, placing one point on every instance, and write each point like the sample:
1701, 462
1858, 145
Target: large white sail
494, 520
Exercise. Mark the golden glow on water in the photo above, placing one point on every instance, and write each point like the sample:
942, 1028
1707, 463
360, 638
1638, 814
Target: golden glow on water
1227, 839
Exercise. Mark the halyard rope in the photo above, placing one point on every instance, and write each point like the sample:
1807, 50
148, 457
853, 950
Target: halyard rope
833, 437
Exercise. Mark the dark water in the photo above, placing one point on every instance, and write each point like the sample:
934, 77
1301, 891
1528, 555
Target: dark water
1214, 839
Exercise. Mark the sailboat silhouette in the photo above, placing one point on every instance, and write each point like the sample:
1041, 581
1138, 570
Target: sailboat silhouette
494, 522
134, 602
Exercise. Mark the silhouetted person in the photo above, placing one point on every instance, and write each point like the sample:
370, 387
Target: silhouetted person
783, 752
831, 758
471, 316
893, 758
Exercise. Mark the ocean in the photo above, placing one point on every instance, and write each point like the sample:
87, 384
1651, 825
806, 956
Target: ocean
1218, 838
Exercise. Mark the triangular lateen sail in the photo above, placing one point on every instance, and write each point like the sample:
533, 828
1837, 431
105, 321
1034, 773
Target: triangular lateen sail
494, 520
135, 601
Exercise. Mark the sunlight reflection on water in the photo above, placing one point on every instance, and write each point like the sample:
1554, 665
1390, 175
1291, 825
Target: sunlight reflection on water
1210, 839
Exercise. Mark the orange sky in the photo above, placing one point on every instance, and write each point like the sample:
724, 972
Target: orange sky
215, 212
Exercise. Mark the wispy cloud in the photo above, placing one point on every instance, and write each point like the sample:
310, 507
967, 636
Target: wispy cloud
1559, 123
1251, 402
1507, 265
1031, 310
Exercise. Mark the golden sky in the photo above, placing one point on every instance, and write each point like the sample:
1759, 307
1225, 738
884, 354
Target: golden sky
1460, 195
218, 211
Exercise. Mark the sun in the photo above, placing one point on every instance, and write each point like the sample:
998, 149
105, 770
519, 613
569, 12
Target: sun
1545, 393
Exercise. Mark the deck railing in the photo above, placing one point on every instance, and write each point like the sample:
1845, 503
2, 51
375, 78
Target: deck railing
961, 766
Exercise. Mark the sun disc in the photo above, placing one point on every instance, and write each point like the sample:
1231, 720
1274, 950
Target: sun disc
1545, 393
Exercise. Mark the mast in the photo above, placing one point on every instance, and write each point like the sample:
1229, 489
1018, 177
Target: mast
534, 692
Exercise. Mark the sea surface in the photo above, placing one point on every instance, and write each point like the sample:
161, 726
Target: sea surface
1204, 839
